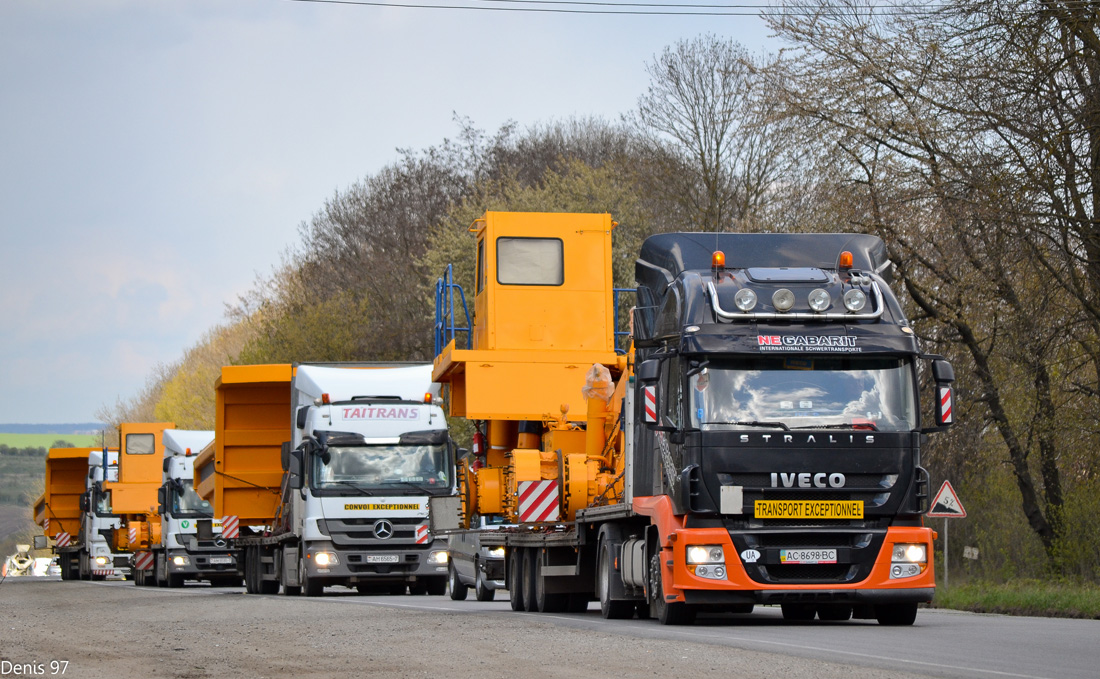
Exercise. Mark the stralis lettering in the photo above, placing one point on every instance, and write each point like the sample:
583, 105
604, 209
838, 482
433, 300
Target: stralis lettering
380, 413
806, 439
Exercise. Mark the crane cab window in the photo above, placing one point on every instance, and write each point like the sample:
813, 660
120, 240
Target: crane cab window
530, 261
140, 444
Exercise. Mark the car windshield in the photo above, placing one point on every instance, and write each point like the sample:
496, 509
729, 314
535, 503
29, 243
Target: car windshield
384, 468
792, 393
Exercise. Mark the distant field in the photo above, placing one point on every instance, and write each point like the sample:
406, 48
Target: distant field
47, 440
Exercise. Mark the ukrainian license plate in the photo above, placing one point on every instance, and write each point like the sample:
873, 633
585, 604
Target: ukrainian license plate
808, 509
221, 559
382, 558
807, 556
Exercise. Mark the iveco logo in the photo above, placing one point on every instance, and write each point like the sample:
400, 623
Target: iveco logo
807, 480
383, 529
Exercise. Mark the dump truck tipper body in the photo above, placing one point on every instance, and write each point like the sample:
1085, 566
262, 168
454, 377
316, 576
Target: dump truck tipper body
76, 512
758, 442
322, 473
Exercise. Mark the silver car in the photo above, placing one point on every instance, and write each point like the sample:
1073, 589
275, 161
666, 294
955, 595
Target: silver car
475, 566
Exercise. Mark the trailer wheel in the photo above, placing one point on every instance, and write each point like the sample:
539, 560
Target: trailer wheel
482, 590
546, 602
529, 603
666, 612
611, 609
458, 590
515, 578
896, 615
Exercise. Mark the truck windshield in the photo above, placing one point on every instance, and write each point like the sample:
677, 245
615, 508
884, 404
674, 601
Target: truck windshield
186, 502
850, 392
384, 468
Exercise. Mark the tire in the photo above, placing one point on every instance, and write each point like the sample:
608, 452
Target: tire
611, 609
309, 587
799, 612
266, 586
529, 603
160, 567
896, 615
249, 570
834, 612
515, 578
458, 590
481, 590
666, 612
547, 602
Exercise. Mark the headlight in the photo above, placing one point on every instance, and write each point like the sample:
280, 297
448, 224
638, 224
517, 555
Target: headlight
101, 561
181, 561
705, 554
855, 300
819, 300
437, 557
909, 560
913, 553
497, 552
325, 559
783, 299
745, 299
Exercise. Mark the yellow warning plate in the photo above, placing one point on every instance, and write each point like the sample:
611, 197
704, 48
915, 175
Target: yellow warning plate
808, 509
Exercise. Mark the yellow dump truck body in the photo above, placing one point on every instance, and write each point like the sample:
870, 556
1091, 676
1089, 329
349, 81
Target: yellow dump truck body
58, 509
241, 472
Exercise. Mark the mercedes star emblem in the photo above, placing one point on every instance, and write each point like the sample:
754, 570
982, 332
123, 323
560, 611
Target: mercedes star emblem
383, 529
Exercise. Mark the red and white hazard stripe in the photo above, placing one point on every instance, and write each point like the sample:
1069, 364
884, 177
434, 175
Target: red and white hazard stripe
945, 405
63, 539
133, 534
143, 561
422, 534
231, 526
538, 501
649, 402
46, 525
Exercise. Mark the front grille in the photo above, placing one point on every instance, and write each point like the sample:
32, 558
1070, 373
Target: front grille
816, 573
358, 533
856, 552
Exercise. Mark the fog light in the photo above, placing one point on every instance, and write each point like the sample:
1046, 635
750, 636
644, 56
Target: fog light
745, 299
819, 300
855, 300
783, 299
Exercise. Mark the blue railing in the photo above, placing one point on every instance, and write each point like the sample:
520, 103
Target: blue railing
620, 333
445, 323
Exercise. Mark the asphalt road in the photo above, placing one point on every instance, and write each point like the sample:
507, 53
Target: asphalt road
117, 630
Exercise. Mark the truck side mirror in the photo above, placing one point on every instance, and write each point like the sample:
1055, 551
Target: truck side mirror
649, 371
285, 455
300, 417
162, 498
164, 465
294, 469
944, 375
41, 542
85, 502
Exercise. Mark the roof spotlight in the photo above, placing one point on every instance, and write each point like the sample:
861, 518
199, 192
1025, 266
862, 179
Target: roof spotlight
819, 300
855, 300
783, 299
745, 299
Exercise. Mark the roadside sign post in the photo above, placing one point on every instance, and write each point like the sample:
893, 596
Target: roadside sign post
946, 505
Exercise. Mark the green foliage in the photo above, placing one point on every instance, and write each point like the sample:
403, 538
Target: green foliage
302, 330
1058, 599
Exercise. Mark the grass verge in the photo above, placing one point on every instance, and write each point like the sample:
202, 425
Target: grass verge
1024, 597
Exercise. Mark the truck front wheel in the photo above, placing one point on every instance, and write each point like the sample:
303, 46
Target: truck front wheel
896, 615
310, 586
458, 590
666, 612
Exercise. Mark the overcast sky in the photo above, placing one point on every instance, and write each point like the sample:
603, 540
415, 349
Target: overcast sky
156, 156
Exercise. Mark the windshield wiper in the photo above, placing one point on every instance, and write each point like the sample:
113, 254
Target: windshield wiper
848, 425
770, 425
364, 491
426, 489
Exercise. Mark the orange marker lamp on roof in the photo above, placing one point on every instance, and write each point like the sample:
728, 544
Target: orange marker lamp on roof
718, 260
845, 260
